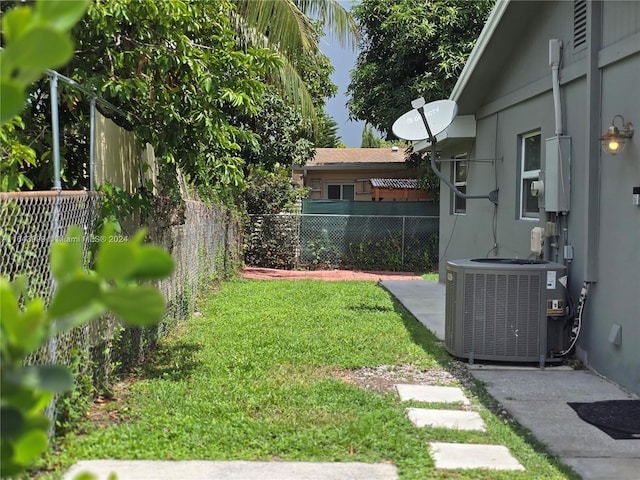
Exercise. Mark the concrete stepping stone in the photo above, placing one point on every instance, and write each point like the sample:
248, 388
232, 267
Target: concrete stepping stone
466, 456
431, 394
233, 470
454, 419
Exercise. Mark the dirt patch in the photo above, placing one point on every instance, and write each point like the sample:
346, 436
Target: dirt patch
111, 409
382, 379
258, 273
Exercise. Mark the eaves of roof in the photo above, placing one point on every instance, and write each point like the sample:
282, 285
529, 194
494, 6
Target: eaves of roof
350, 166
490, 55
479, 48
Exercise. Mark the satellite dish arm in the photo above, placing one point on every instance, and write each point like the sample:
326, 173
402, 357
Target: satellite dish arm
492, 196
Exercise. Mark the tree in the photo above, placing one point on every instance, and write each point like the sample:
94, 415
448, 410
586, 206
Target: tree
283, 138
410, 49
187, 87
286, 26
286, 137
174, 67
327, 134
270, 191
369, 139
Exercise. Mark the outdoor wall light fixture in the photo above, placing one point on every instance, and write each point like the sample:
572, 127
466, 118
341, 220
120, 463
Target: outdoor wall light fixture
616, 138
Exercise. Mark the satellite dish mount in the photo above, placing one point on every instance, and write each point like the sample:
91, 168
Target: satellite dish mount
442, 113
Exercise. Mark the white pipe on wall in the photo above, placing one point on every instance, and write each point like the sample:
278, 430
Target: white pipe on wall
555, 54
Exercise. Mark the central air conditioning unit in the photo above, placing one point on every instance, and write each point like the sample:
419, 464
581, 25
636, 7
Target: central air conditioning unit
510, 310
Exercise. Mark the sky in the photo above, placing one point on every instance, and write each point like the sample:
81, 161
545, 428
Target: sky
343, 60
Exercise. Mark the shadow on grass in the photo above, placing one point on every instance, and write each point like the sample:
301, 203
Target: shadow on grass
174, 361
434, 347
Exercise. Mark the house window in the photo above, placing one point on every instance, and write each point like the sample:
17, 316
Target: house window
341, 191
459, 179
529, 173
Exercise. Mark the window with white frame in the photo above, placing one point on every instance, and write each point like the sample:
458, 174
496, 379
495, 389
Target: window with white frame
459, 179
341, 191
530, 153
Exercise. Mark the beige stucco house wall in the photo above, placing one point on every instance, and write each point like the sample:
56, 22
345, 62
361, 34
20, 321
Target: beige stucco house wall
339, 169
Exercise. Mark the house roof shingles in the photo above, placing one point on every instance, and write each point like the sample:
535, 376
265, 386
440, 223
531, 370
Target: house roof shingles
329, 156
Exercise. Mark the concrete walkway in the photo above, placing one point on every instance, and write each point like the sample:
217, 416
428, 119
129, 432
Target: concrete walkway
454, 456
232, 470
538, 398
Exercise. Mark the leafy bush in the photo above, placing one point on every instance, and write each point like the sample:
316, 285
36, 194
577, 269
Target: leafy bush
271, 241
81, 296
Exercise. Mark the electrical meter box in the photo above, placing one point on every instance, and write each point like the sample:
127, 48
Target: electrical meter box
557, 171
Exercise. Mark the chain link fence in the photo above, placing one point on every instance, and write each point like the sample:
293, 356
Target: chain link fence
368, 242
205, 245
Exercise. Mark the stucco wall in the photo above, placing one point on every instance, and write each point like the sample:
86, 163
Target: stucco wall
360, 177
497, 139
616, 295
601, 185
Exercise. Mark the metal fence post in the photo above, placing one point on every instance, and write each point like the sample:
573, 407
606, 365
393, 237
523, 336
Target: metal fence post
403, 233
55, 128
52, 343
92, 142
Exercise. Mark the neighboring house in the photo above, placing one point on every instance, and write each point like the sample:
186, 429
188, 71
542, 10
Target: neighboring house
346, 173
527, 131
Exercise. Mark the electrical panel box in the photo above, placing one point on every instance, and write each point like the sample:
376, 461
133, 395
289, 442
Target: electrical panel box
557, 171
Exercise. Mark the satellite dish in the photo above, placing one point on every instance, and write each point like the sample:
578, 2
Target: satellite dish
439, 114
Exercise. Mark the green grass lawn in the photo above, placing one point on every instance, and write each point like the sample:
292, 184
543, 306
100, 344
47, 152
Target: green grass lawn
252, 378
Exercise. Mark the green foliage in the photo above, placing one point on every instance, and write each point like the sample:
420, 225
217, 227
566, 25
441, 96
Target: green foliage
271, 241
35, 38
286, 27
270, 192
14, 158
176, 68
284, 139
73, 404
327, 133
143, 56
322, 252
410, 49
116, 204
369, 139
415, 255
81, 296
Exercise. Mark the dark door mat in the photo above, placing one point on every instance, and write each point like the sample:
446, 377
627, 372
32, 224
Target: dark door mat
620, 419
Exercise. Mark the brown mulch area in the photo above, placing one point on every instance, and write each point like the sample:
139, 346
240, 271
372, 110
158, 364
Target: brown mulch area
258, 273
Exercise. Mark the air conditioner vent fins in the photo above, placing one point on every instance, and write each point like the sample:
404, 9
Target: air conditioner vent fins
498, 311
